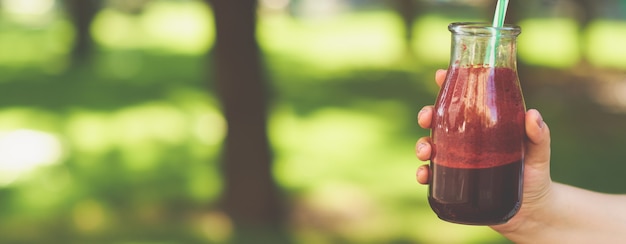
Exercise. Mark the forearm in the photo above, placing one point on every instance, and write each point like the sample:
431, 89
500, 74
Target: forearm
574, 215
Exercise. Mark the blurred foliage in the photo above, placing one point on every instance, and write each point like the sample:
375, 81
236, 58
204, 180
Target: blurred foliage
126, 150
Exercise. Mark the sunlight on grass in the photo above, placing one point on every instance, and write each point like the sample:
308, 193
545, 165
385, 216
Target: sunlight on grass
185, 27
28, 12
27, 7
46, 46
550, 42
605, 42
323, 146
178, 27
27, 143
88, 132
144, 135
24, 150
340, 42
141, 131
33, 34
168, 124
432, 39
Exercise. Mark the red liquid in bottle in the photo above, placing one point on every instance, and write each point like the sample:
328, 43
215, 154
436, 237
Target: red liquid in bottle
477, 136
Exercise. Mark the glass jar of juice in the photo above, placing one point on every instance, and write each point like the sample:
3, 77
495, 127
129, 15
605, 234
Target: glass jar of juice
478, 129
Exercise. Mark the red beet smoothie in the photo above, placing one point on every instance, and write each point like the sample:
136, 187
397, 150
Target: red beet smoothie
477, 137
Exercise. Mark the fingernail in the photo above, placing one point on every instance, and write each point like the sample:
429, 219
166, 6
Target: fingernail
419, 170
540, 122
420, 112
420, 146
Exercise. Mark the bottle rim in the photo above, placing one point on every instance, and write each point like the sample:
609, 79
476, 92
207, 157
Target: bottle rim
483, 29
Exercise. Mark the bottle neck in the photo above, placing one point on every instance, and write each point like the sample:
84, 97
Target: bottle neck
477, 45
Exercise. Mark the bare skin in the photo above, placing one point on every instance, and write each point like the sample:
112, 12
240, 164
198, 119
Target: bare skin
551, 212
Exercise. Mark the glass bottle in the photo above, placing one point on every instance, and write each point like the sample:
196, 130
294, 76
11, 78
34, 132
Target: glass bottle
478, 129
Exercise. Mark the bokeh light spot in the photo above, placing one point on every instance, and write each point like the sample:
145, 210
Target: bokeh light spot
23, 150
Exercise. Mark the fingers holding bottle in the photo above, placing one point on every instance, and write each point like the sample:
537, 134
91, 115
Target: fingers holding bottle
440, 76
425, 117
422, 175
423, 148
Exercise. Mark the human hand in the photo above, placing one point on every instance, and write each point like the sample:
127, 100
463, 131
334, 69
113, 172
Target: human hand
537, 185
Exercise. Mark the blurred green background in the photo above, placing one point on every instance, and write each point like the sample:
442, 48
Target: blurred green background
111, 129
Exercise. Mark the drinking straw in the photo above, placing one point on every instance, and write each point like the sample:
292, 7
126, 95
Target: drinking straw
498, 22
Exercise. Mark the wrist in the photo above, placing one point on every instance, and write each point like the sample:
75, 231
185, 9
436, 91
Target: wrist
533, 217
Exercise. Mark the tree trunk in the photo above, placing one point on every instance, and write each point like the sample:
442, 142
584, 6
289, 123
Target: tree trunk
251, 198
408, 10
82, 13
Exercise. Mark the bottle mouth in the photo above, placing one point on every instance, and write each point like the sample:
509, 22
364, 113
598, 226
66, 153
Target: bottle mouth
483, 29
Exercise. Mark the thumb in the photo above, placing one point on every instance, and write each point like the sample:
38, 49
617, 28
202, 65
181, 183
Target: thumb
537, 151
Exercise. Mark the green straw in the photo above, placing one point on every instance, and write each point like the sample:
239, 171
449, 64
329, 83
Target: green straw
498, 22
498, 17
